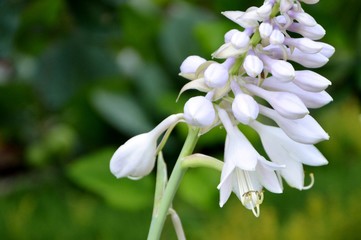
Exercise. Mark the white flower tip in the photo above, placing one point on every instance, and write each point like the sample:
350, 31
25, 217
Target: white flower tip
245, 108
240, 40
277, 37
283, 70
190, 64
199, 111
216, 75
253, 65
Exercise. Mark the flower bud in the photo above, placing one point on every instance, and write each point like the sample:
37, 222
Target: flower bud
280, 69
311, 81
253, 65
199, 111
265, 30
285, 5
303, 18
314, 33
191, 63
245, 108
136, 157
305, 130
287, 104
310, 1
229, 34
308, 60
240, 40
306, 45
216, 75
327, 50
265, 10
276, 37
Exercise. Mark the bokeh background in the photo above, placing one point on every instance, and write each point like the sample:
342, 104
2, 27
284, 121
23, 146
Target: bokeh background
78, 78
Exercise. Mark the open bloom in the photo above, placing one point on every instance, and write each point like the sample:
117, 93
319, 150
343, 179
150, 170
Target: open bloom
245, 171
283, 150
136, 157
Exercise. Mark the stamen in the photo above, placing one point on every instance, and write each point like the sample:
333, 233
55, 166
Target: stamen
252, 200
311, 184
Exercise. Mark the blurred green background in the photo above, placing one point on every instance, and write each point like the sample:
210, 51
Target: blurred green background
78, 78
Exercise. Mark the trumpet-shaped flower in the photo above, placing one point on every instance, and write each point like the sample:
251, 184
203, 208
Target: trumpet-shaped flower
283, 150
245, 172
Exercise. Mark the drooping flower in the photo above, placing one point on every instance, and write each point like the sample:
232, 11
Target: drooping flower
136, 157
245, 172
283, 150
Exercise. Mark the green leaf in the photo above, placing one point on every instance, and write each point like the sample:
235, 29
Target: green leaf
122, 111
92, 173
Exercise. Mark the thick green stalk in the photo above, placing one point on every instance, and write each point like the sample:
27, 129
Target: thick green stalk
160, 215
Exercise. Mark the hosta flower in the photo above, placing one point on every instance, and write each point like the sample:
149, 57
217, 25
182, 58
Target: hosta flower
245, 172
258, 78
136, 157
255, 80
283, 150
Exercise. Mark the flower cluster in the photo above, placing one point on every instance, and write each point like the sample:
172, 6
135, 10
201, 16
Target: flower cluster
256, 78
254, 84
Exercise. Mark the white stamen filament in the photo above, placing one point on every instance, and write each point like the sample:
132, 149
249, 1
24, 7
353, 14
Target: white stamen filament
311, 183
250, 197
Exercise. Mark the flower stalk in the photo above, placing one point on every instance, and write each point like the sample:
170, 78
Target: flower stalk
159, 216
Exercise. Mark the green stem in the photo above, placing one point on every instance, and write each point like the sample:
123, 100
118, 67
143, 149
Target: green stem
160, 216
200, 160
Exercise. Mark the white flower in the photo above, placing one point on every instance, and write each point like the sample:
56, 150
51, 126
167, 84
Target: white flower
216, 75
199, 111
244, 108
314, 60
306, 45
245, 172
311, 81
305, 130
314, 33
280, 69
136, 157
303, 18
287, 104
283, 150
310, 99
253, 65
